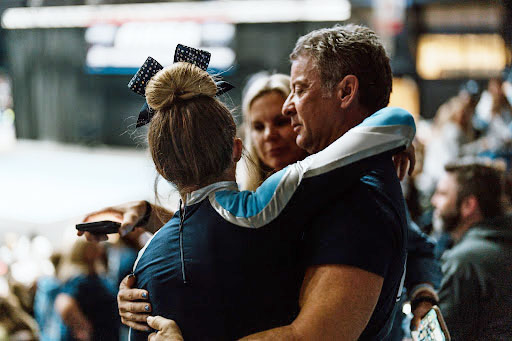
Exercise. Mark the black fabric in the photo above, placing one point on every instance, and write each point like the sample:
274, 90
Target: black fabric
237, 280
365, 228
97, 300
191, 55
139, 81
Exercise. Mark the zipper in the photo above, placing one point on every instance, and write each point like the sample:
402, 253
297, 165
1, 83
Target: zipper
182, 218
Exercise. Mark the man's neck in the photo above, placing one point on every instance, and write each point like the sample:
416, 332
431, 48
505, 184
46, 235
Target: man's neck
351, 119
462, 228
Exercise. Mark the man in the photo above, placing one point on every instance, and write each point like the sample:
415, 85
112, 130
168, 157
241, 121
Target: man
339, 77
475, 294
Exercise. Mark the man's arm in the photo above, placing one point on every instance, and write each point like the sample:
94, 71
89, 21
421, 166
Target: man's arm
336, 302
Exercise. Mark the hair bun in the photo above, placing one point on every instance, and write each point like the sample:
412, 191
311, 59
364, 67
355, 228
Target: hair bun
179, 81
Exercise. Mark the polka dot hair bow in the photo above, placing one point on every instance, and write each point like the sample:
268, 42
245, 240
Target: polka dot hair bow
150, 67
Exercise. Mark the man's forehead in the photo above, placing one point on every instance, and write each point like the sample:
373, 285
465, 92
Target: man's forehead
303, 69
448, 181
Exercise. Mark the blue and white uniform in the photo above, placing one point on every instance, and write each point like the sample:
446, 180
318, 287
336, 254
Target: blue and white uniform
232, 262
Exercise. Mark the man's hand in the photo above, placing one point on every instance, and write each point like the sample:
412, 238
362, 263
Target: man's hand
133, 304
422, 300
168, 330
421, 310
128, 214
404, 159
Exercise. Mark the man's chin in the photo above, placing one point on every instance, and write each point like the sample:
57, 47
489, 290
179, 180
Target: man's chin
299, 141
449, 224
306, 145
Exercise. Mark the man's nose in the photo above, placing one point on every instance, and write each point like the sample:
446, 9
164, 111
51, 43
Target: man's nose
288, 106
433, 200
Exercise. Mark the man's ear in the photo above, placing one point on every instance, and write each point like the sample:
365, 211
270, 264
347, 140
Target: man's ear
237, 150
348, 90
469, 207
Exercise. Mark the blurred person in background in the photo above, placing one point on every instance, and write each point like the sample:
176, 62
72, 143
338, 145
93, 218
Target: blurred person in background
15, 323
507, 84
86, 302
494, 103
269, 136
451, 130
475, 294
24, 264
47, 289
494, 119
121, 253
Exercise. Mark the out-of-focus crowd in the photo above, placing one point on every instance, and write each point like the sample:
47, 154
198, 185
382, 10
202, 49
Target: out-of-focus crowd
474, 123
40, 287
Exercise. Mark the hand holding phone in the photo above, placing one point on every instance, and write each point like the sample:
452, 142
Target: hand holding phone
99, 227
432, 327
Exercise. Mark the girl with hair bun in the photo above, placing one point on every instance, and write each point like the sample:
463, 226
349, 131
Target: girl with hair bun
227, 263
192, 135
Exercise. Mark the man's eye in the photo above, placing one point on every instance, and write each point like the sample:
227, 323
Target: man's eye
283, 122
257, 126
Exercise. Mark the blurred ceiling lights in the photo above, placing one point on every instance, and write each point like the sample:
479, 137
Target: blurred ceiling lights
452, 56
112, 60
229, 11
123, 49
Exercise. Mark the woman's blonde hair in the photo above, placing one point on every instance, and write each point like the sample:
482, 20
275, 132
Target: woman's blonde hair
259, 85
191, 134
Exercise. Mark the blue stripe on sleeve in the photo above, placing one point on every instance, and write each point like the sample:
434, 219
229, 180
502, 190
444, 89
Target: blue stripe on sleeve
248, 204
389, 116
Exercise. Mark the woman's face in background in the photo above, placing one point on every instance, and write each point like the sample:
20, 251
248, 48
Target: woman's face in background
271, 132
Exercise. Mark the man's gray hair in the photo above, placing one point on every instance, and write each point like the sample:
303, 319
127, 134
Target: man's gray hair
350, 50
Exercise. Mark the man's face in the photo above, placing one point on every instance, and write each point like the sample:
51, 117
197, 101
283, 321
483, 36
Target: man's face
314, 111
444, 201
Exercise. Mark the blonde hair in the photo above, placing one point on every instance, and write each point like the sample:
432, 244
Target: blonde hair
261, 84
74, 261
191, 134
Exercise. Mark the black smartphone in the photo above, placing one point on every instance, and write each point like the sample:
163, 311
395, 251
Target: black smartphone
99, 227
432, 327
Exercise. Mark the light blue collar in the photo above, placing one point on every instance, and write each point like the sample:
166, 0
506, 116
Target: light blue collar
200, 194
